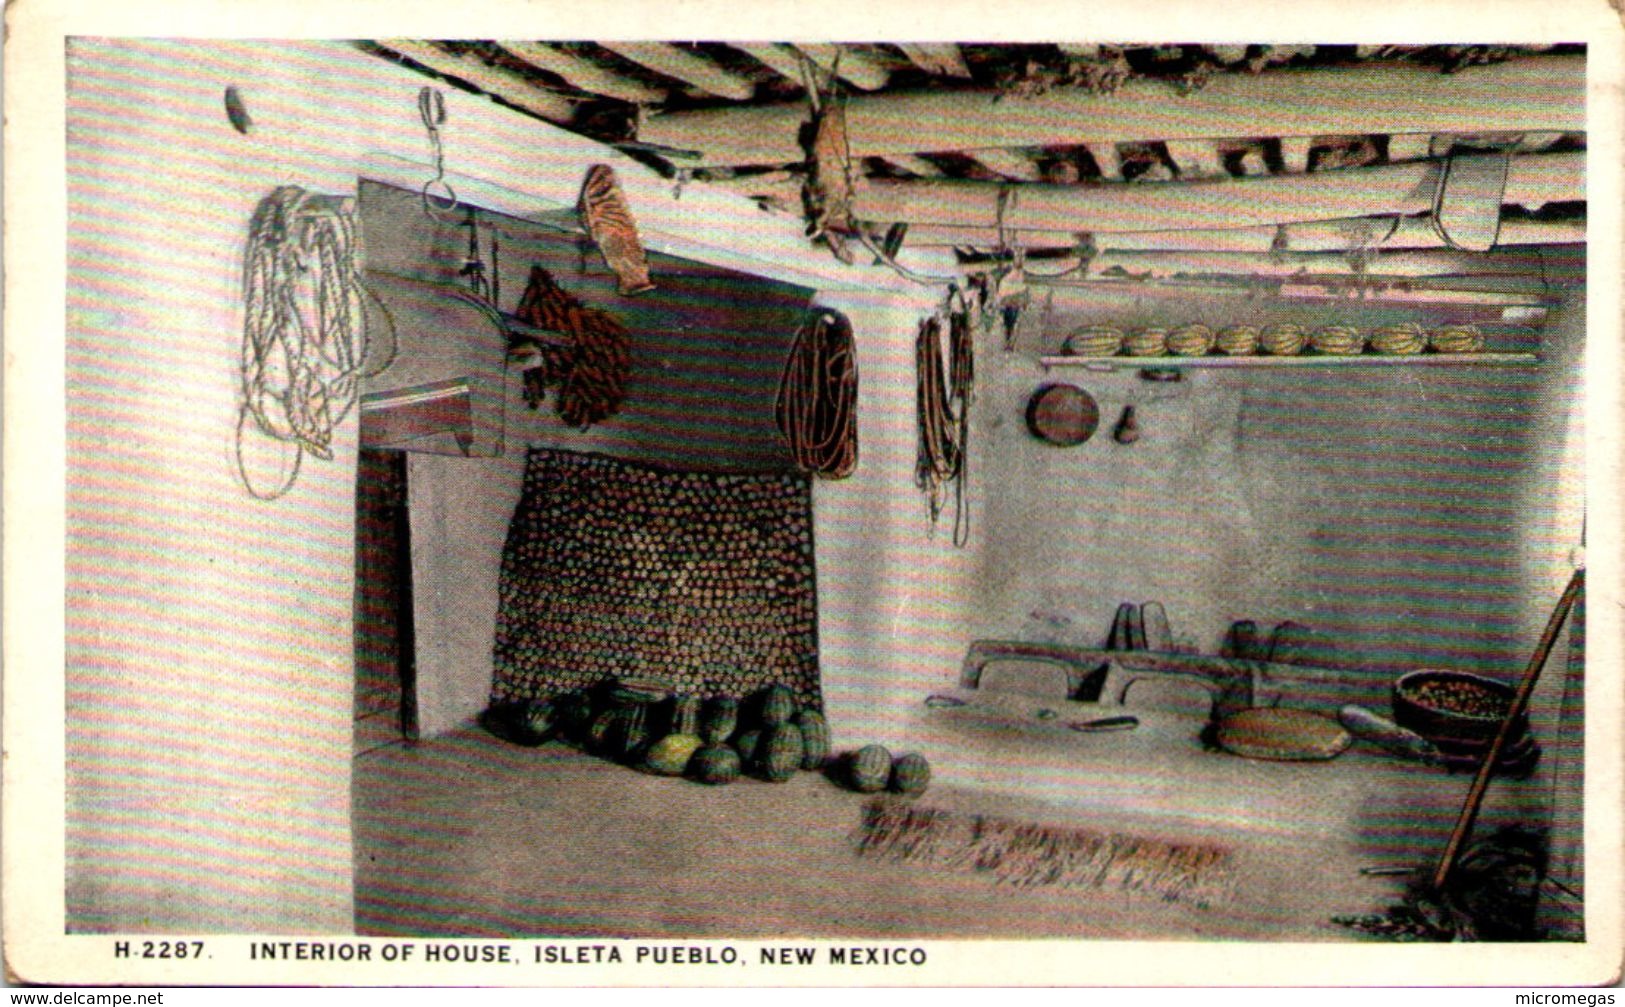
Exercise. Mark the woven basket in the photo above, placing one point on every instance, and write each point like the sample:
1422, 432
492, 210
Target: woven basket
1194, 340
1283, 340
1238, 340
1146, 343
1457, 339
1399, 340
1337, 340
1094, 341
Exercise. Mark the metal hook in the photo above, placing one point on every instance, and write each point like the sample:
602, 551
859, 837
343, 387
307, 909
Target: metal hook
432, 110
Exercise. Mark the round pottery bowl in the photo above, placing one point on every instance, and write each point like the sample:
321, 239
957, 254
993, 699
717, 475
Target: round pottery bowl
1454, 707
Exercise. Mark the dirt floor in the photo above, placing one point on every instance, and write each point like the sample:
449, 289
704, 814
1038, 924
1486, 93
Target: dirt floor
466, 835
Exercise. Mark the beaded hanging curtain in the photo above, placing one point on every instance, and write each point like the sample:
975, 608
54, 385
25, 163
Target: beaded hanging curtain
615, 569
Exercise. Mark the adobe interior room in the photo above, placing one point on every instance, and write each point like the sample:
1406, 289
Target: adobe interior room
530, 489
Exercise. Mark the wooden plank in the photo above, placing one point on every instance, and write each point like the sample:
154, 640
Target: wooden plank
1229, 202
1541, 93
693, 70
1301, 361
495, 80
584, 74
940, 58
854, 66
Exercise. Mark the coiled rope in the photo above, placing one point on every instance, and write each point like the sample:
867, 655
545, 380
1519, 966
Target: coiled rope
304, 338
817, 405
942, 398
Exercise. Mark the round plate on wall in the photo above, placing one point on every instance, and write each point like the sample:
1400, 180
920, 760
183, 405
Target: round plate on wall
1063, 415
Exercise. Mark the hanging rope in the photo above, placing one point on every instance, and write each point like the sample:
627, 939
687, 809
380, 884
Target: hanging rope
943, 397
817, 405
304, 341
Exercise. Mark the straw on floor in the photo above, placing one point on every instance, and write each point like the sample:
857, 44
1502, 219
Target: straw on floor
1027, 854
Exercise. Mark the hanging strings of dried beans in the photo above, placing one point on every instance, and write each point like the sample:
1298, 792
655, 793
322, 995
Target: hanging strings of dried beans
817, 405
942, 403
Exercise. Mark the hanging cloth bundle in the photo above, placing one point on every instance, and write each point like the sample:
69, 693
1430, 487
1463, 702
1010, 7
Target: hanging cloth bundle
817, 406
943, 407
600, 358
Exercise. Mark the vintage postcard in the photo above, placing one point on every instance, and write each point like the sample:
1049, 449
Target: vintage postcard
742, 496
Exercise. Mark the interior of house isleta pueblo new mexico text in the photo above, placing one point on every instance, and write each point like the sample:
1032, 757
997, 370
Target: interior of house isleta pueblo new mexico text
551, 489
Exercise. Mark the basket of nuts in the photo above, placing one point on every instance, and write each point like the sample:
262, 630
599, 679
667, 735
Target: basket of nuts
1455, 709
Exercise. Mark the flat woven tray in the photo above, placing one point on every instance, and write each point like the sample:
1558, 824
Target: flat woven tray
1282, 734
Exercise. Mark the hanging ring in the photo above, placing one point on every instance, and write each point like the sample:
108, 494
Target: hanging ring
439, 199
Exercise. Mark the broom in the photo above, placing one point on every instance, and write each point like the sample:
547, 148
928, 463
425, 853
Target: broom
1029, 855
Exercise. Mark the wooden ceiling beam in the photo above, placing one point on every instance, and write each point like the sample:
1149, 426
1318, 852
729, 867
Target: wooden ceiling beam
584, 74
782, 60
1295, 153
1106, 159
942, 59
1008, 163
1320, 237
914, 165
1399, 189
1196, 159
695, 71
497, 81
855, 67
1408, 147
1542, 93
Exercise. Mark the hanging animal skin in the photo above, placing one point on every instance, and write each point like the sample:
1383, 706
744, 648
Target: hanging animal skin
828, 192
609, 222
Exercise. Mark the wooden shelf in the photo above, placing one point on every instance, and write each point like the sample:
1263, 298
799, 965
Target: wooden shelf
1302, 360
